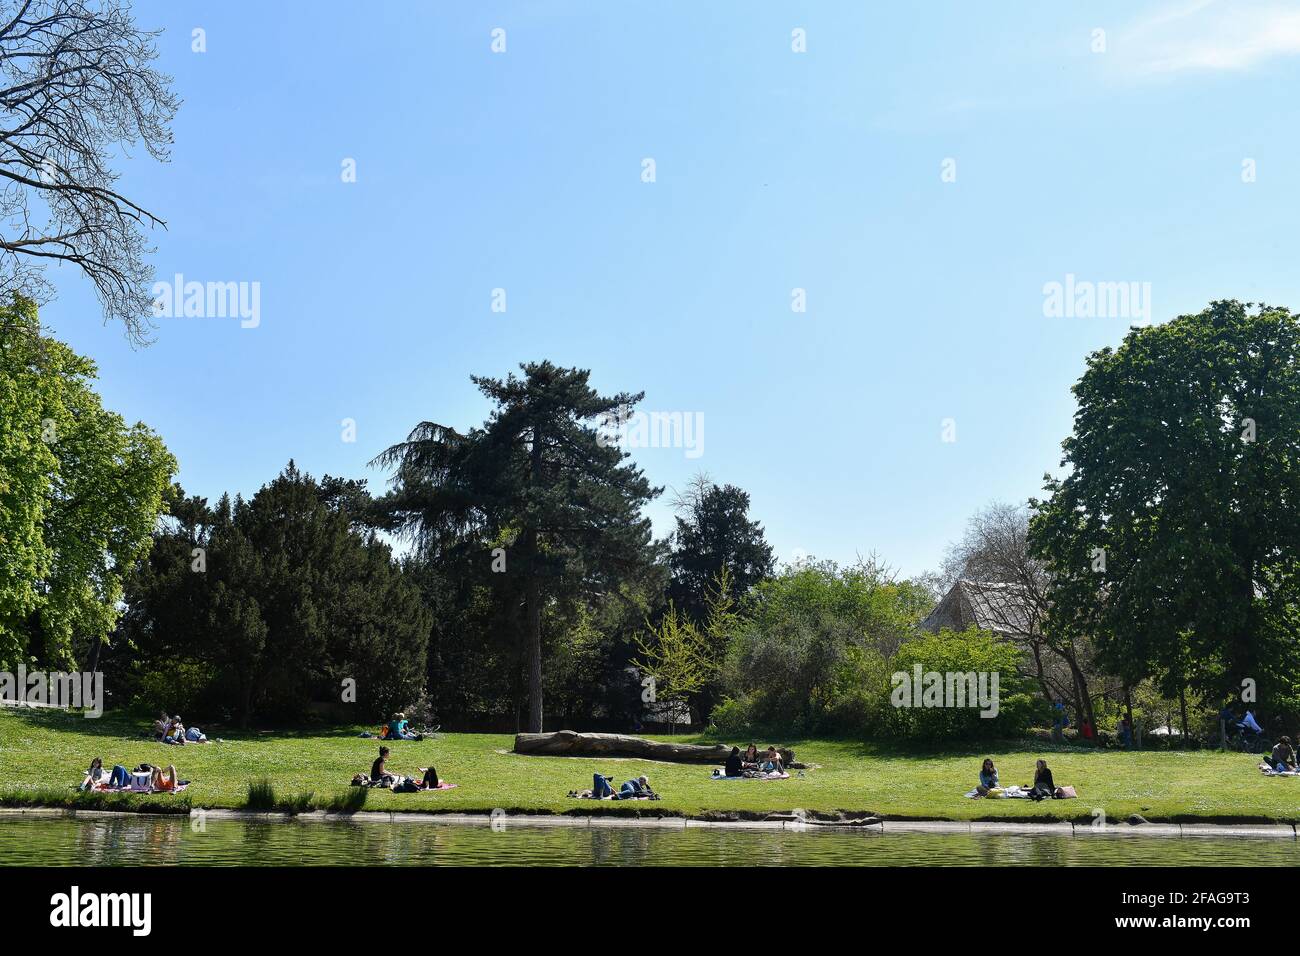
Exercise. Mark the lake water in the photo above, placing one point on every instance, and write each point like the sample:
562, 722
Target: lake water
162, 841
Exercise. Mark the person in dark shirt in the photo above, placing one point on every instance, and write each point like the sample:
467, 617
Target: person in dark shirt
734, 766
1044, 787
379, 775
1283, 756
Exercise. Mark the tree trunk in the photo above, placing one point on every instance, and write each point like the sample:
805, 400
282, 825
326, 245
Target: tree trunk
568, 743
1128, 709
533, 611
92, 662
1182, 711
534, 624
1081, 688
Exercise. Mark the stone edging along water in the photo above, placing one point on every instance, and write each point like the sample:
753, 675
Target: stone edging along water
502, 820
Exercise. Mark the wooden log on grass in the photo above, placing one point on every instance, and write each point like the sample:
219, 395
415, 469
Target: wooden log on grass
569, 743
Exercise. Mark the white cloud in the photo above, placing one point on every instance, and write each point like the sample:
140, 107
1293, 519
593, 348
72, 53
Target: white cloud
1209, 35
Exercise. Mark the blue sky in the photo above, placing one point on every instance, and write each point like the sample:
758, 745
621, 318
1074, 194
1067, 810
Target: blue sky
774, 170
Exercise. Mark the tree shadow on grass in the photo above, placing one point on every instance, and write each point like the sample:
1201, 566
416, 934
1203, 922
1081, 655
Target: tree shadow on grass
136, 728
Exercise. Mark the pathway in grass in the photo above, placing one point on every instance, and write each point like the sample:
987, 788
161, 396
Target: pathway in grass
43, 754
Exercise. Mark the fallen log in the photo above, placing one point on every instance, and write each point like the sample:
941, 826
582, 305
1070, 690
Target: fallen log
569, 743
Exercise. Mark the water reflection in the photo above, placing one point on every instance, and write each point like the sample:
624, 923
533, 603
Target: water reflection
166, 841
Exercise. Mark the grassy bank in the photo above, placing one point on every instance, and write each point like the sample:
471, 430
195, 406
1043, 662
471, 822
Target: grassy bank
44, 754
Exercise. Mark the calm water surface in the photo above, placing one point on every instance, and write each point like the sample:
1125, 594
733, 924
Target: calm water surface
157, 841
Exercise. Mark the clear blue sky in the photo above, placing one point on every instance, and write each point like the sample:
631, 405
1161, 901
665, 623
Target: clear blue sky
775, 170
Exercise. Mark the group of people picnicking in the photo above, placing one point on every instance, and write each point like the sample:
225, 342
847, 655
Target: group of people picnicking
399, 728
381, 776
172, 730
145, 778
753, 763
1043, 787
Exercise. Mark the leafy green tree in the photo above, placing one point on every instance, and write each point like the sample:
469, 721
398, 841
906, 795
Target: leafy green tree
540, 473
805, 635
1172, 539
80, 492
674, 654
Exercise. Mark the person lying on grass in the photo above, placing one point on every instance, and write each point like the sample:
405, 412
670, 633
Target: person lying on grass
163, 781
1282, 758
638, 789
430, 781
190, 735
988, 777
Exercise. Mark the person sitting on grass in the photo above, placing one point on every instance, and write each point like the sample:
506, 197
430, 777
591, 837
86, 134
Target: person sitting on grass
379, 775
161, 725
1044, 787
1282, 759
771, 762
735, 766
398, 730
988, 777
164, 781
175, 733
95, 776
751, 757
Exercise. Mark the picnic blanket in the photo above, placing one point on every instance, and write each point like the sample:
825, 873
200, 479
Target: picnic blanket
105, 788
1017, 792
752, 775
1268, 771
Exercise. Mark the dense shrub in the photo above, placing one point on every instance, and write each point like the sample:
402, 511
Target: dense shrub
946, 655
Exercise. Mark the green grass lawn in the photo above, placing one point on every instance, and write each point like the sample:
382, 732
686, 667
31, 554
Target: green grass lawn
43, 755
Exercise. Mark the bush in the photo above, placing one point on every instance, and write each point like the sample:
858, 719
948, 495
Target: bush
936, 716
732, 717
175, 685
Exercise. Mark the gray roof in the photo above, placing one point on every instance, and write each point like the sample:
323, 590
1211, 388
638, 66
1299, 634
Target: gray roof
989, 605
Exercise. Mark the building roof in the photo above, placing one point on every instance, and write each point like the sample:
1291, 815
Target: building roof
1002, 608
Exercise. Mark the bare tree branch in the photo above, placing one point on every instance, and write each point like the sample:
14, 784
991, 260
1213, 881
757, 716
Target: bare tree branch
77, 85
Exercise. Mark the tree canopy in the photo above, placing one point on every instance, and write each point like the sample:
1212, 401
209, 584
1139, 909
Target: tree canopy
538, 485
80, 492
1172, 537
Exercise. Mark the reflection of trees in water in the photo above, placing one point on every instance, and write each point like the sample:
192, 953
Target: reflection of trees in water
153, 841
130, 841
